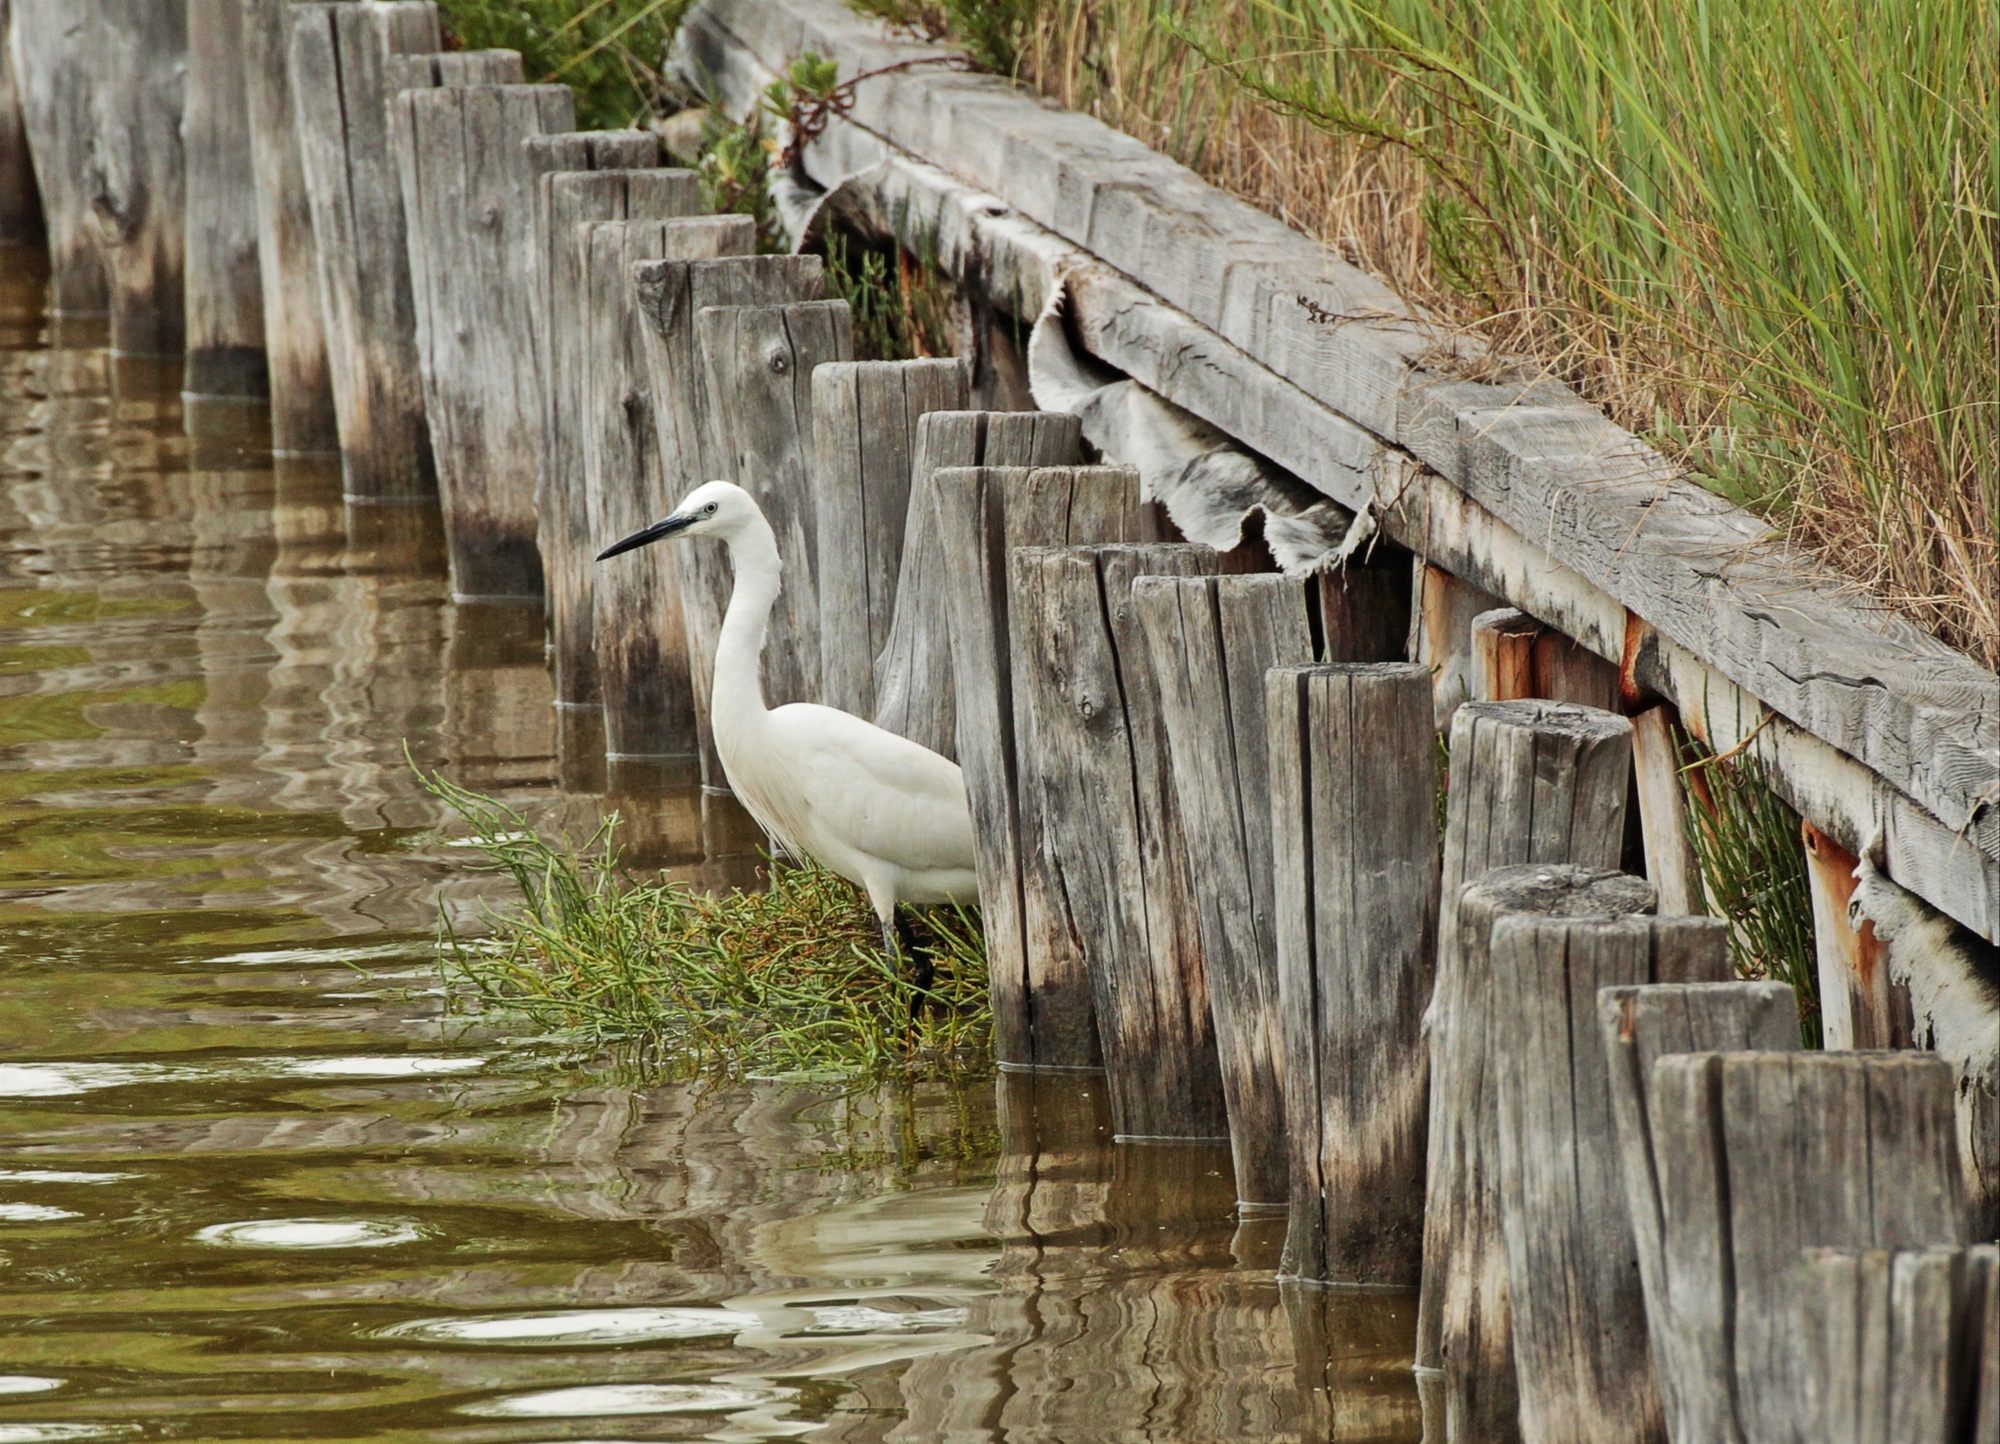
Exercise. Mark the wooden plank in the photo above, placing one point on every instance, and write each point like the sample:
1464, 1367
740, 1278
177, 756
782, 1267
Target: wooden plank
757, 364
301, 389
137, 173
1986, 1422
1210, 641
1445, 610
638, 636
468, 196
914, 690
671, 295
1365, 607
49, 50
865, 419
224, 296
1581, 1354
1637, 1026
1671, 865
20, 198
338, 59
1352, 768
1112, 825
1861, 1006
1529, 782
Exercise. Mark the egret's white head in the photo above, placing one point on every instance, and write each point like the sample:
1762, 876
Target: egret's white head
715, 508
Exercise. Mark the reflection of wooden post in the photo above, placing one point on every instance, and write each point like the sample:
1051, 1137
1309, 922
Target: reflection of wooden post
1637, 1026
1578, 1312
1860, 1007
1043, 1014
865, 419
225, 298
1351, 1352
50, 52
1530, 782
1352, 787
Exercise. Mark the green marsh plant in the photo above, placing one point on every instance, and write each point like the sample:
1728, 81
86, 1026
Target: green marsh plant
607, 51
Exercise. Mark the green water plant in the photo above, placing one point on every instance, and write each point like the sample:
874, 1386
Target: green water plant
785, 982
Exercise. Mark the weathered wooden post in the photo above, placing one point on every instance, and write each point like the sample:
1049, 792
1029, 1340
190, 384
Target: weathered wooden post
1637, 1026
1530, 782
1515, 656
1581, 1355
301, 388
1670, 860
1043, 1013
338, 64
865, 419
469, 203
1762, 1155
20, 200
49, 50
1902, 1344
225, 296
1122, 875
914, 690
1352, 790
1211, 640
639, 637
671, 295
136, 173
1445, 608
757, 364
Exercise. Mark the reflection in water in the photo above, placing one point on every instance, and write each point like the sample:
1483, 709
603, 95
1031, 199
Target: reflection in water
253, 1183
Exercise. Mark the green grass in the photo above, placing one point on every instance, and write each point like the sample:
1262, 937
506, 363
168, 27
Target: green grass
607, 51
787, 982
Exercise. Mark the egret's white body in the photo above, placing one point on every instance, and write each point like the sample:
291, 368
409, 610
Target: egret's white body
880, 810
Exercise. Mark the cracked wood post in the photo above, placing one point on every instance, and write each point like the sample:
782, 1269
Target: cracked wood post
49, 51
301, 388
1861, 1006
1121, 872
338, 64
865, 419
1044, 1016
638, 635
1760, 1155
1638, 1025
757, 364
915, 695
671, 295
1671, 864
21, 221
1352, 789
1529, 782
1896, 1341
468, 200
1442, 641
1210, 641
225, 284
1581, 1356
136, 173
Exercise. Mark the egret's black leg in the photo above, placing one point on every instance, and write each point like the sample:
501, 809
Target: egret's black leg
922, 967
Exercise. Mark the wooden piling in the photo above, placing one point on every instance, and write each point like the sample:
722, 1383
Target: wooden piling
1861, 1006
1529, 782
1044, 1016
338, 64
671, 295
20, 199
914, 690
1365, 607
1354, 904
1121, 872
757, 364
468, 196
136, 174
1514, 656
49, 50
1210, 641
1445, 608
1671, 864
1581, 1356
1761, 1155
865, 418
225, 296
639, 637
1636, 1027
300, 385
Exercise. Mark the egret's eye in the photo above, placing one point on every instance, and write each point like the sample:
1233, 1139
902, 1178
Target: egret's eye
708, 510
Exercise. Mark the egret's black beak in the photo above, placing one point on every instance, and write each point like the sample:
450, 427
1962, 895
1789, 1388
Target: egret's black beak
658, 531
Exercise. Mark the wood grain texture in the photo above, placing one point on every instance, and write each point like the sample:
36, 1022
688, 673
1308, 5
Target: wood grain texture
225, 284
338, 62
1121, 874
1446, 607
20, 198
1671, 864
864, 439
1529, 782
1581, 1355
757, 364
638, 635
1210, 641
1637, 1025
51, 65
136, 174
301, 389
671, 294
914, 690
1354, 906
1044, 1013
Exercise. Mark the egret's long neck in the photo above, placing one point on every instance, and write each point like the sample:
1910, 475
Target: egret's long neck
737, 700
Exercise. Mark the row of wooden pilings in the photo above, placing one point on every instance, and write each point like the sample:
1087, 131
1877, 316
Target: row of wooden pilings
1466, 1052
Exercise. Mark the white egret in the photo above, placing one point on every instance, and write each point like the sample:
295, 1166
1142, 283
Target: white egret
885, 813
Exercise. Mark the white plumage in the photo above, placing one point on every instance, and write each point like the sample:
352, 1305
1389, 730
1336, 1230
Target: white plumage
880, 810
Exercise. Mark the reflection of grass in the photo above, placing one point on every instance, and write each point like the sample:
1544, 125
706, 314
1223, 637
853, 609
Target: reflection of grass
786, 981
59, 716
25, 607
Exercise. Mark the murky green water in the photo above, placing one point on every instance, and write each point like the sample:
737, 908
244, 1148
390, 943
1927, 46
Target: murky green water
253, 1183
